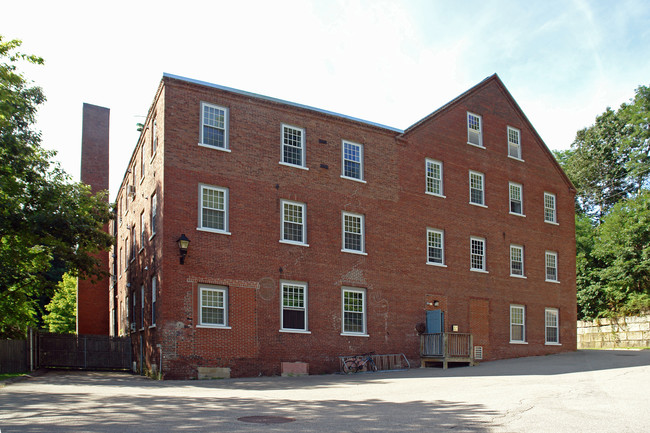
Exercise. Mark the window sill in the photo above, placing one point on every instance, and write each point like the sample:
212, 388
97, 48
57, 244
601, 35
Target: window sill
518, 342
213, 327
434, 194
350, 334
208, 146
523, 277
221, 232
152, 157
140, 250
515, 158
152, 236
300, 244
478, 205
302, 167
152, 326
141, 329
361, 253
353, 178
476, 145
440, 265
552, 281
517, 214
480, 271
141, 180
553, 223
294, 331
552, 344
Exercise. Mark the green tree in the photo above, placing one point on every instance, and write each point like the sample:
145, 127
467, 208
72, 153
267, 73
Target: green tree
623, 245
47, 222
62, 309
610, 160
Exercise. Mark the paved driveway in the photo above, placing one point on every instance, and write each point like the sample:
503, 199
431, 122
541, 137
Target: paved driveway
585, 391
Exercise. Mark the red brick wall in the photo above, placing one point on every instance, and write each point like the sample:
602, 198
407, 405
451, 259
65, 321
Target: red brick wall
399, 285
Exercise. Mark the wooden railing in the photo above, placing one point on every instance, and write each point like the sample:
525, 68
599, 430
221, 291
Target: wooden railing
446, 345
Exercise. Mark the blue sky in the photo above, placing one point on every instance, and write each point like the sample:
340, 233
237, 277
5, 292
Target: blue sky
388, 62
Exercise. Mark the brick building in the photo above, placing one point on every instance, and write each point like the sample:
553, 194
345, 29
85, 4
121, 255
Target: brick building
315, 235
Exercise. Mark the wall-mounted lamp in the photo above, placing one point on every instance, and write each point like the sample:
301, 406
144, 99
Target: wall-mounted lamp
436, 303
183, 243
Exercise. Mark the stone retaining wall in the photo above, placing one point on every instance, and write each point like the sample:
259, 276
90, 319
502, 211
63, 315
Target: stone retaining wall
614, 333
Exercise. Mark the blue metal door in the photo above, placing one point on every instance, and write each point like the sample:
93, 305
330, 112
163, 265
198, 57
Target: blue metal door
435, 321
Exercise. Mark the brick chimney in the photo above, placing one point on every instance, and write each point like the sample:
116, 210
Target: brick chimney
93, 298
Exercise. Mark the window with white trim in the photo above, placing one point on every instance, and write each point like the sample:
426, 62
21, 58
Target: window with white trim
154, 210
474, 130
514, 143
516, 198
477, 254
353, 233
143, 232
142, 162
213, 208
142, 306
293, 145
154, 284
294, 222
434, 177
435, 247
154, 137
214, 126
516, 261
476, 188
213, 306
551, 266
551, 324
550, 215
294, 306
354, 311
517, 324
134, 243
352, 160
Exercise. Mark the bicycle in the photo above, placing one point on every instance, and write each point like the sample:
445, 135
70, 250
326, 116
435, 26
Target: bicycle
358, 363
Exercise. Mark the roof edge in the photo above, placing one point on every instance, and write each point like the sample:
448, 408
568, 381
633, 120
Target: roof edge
281, 101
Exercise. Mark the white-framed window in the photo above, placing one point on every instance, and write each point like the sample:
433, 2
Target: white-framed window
142, 162
551, 324
294, 222
154, 284
477, 254
143, 232
517, 324
293, 146
154, 137
477, 188
474, 129
514, 143
213, 306
550, 214
154, 211
294, 306
354, 311
434, 177
516, 198
551, 266
214, 126
352, 160
142, 306
435, 247
134, 243
213, 208
353, 233
516, 261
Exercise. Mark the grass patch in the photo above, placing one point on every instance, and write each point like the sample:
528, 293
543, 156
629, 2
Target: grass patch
4, 376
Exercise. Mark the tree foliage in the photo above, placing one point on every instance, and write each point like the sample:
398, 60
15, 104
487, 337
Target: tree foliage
609, 163
62, 309
47, 222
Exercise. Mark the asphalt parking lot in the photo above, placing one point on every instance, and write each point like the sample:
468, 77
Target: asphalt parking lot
584, 391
